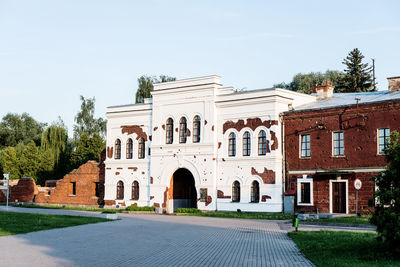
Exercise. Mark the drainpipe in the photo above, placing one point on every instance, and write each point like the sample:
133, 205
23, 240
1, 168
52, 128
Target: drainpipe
283, 158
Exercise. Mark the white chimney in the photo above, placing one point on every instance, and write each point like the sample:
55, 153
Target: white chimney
324, 91
394, 84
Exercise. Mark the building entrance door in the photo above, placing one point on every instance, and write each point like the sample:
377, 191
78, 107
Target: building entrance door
339, 197
184, 191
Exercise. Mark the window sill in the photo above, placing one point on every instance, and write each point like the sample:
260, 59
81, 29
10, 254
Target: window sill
72, 195
305, 157
338, 157
305, 204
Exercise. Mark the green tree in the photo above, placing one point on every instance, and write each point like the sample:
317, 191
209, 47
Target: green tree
86, 122
88, 148
145, 85
29, 161
55, 139
387, 209
303, 83
46, 166
16, 128
358, 75
9, 162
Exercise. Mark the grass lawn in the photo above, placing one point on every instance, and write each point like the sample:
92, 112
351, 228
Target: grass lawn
347, 220
244, 215
330, 248
12, 223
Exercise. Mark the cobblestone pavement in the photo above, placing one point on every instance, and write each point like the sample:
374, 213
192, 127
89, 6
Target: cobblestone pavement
156, 240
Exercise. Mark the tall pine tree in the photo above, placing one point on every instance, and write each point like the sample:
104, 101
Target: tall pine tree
358, 75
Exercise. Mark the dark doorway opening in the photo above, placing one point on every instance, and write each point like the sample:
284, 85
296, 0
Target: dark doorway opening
184, 190
339, 197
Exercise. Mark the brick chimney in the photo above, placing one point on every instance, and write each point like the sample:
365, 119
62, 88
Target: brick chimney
394, 84
324, 91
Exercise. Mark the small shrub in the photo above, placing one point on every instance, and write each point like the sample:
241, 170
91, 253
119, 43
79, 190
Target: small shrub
145, 208
187, 210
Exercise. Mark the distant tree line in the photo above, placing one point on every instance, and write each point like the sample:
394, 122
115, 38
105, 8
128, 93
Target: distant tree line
356, 77
29, 148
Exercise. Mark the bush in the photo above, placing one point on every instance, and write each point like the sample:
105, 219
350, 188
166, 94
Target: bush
187, 210
387, 210
145, 208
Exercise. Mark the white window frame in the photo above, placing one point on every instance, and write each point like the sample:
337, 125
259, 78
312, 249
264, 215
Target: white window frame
305, 179
301, 147
378, 140
331, 197
333, 144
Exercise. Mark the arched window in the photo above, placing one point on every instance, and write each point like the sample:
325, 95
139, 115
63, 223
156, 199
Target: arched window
170, 131
129, 149
120, 190
182, 130
117, 154
246, 144
255, 192
196, 129
141, 148
232, 145
262, 143
135, 190
236, 191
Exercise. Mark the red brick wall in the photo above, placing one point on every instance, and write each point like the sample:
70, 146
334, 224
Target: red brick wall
23, 191
359, 126
84, 177
321, 192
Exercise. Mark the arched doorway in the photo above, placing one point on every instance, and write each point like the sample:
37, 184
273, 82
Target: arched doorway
184, 190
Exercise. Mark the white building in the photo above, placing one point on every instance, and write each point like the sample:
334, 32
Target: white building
198, 144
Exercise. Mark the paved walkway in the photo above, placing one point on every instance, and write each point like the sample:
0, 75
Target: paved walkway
154, 240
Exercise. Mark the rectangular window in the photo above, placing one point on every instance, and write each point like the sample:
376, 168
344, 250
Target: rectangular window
73, 188
384, 139
305, 193
338, 144
305, 146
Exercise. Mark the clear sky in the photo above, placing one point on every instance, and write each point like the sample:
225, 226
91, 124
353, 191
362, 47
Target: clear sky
51, 52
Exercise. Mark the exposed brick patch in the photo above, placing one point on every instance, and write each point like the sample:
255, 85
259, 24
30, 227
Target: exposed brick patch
130, 129
117, 173
188, 132
163, 126
268, 149
220, 194
209, 200
155, 128
223, 159
142, 172
157, 205
264, 198
205, 122
219, 145
274, 144
164, 204
150, 137
109, 152
109, 202
176, 129
151, 197
212, 128
119, 168
108, 168
252, 123
132, 168
205, 160
133, 205
151, 179
268, 176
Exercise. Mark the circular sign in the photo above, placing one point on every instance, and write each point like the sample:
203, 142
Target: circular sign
357, 184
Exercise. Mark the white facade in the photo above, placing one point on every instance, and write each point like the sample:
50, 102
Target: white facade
222, 111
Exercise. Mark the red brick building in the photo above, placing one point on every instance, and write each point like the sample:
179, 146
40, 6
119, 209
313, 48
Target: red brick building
333, 141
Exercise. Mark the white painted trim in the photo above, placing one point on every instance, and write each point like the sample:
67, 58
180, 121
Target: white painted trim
337, 170
330, 194
305, 179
